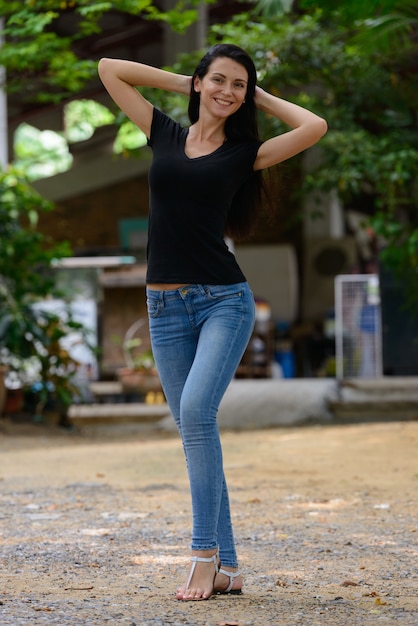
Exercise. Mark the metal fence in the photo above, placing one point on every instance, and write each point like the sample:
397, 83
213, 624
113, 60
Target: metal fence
358, 336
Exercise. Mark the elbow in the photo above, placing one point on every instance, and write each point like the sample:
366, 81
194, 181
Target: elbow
322, 127
103, 65
316, 129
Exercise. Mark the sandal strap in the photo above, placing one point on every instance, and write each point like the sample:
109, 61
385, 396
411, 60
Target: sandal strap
202, 559
231, 576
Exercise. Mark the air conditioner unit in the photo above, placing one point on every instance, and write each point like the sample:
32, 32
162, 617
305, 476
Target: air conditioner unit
324, 258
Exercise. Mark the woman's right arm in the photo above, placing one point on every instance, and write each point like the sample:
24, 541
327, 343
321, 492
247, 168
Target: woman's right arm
120, 79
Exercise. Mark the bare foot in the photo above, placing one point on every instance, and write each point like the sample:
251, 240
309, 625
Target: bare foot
228, 584
199, 585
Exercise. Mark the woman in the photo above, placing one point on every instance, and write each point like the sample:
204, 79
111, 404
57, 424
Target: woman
205, 181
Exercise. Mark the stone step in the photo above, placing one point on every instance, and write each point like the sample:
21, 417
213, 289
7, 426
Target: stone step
374, 409
119, 412
386, 387
264, 403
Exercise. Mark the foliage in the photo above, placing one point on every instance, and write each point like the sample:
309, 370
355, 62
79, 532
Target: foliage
273, 8
24, 250
400, 253
386, 35
82, 117
40, 153
370, 153
31, 336
144, 361
43, 63
45, 153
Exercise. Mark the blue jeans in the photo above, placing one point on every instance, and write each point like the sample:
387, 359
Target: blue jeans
199, 334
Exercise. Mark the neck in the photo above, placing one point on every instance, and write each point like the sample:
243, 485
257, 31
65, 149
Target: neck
208, 130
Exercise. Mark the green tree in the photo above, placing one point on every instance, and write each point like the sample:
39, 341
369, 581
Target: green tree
386, 33
359, 59
43, 63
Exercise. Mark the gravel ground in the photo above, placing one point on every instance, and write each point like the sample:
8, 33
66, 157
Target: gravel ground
94, 527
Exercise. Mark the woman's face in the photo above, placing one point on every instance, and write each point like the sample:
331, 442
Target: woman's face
223, 88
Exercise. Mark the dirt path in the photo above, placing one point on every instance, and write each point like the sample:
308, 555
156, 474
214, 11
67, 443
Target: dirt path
94, 527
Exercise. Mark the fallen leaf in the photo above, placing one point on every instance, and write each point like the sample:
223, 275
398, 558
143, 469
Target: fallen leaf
349, 583
379, 602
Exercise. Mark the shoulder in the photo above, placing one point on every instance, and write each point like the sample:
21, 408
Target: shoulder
161, 118
162, 125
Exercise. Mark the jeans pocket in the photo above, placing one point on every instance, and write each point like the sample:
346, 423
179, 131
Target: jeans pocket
154, 304
219, 292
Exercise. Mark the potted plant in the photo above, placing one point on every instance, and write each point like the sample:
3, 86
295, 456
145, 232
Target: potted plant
31, 339
140, 374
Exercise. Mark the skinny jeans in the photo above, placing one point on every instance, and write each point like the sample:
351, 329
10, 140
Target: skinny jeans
198, 336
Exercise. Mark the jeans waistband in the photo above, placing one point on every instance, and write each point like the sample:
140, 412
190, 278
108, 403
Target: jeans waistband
190, 290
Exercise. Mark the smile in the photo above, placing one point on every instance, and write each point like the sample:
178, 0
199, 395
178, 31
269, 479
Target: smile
222, 102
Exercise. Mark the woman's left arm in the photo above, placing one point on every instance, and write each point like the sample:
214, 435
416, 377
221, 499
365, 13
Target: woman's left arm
307, 129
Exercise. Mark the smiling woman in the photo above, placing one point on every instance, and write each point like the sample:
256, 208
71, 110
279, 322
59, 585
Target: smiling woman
221, 93
205, 181
225, 83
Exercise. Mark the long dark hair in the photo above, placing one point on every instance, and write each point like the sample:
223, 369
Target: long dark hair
241, 126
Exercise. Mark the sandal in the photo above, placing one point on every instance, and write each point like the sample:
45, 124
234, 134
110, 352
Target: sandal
229, 590
200, 559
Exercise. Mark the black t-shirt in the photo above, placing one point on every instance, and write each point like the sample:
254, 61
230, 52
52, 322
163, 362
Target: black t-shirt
189, 201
